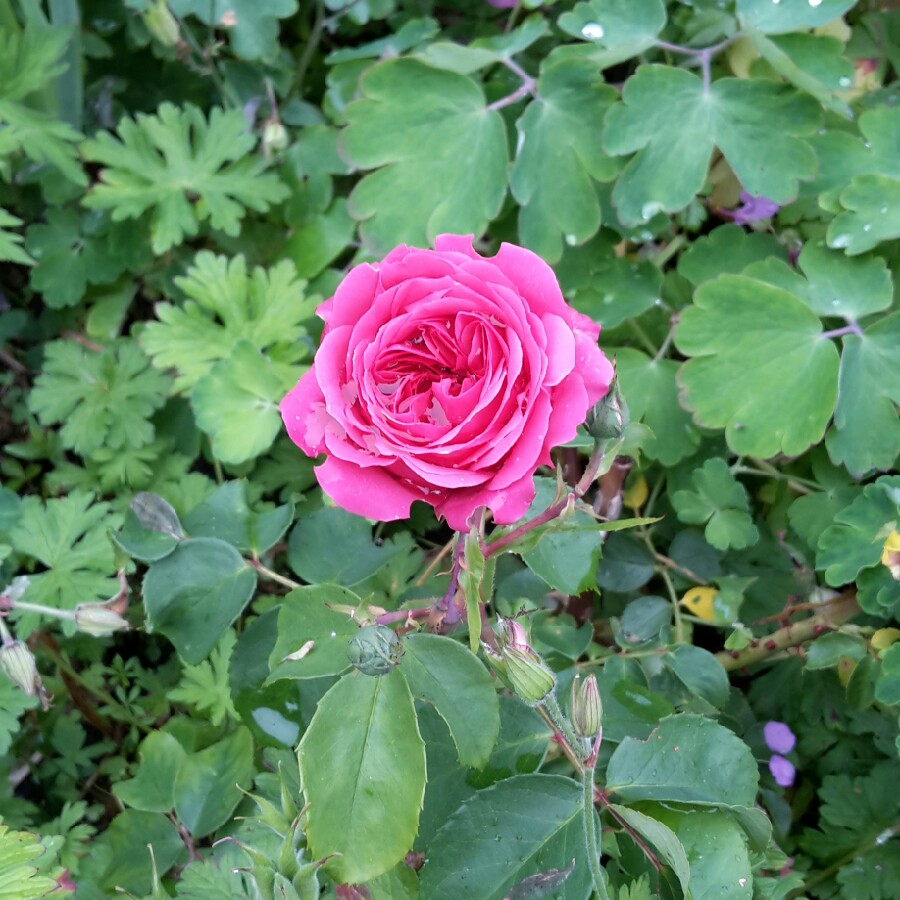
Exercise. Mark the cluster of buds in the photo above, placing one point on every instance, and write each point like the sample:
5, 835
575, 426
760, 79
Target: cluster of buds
517, 664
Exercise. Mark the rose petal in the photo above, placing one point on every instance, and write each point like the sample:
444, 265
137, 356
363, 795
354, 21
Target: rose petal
372, 493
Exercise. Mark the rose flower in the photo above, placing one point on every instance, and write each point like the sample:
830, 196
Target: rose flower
446, 377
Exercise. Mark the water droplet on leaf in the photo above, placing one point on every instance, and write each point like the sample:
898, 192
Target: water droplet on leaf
593, 31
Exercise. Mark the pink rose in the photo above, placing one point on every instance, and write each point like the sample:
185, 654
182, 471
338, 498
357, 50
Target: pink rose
445, 377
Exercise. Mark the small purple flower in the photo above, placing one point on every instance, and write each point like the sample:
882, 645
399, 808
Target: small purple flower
782, 770
779, 738
503, 4
752, 210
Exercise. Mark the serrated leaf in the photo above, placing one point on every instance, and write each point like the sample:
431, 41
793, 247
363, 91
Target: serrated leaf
420, 128
102, 399
872, 214
305, 615
620, 29
195, 593
203, 880
519, 827
11, 249
558, 158
160, 163
205, 687
444, 673
652, 394
363, 767
236, 404
710, 767
19, 880
727, 249
13, 702
720, 502
789, 15
672, 122
226, 305
740, 328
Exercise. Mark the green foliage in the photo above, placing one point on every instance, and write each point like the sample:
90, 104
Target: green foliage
18, 878
11, 242
162, 162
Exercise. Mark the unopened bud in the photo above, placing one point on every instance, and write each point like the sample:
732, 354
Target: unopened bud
17, 661
528, 675
587, 709
514, 633
99, 619
890, 555
274, 137
610, 417
375, 650
161, 23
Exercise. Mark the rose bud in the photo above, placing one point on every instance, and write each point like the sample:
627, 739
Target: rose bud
528, 675
17, 661
375, 650
610, 417
587, 709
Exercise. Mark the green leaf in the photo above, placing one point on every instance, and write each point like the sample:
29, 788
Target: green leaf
13, 702
11, 249
673, 124
558, 158
740, 328
205, 686
444, 673
720, 502
789, 15
305, 616
252, 27
152, 788
620, 29
716, 851
207, 787
69, 537
204, 880
710, 767
663, 839
312, 247
157, 158
700, 672
866, 432
127, 838
872, 214
195, 593
856, 539
605, 287
727, 250
420, 128
828, 650
519, 827
627, 564
363, 767
652, 394
335, 546
102, 399
887, 688
236, 404
19, 880
225, 306
29, 61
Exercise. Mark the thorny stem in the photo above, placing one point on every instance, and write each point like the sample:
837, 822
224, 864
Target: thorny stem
552, 511
446, 604
525, 88
836, 613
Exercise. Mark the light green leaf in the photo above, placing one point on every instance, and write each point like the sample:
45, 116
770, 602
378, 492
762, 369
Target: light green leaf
312, 247
720, 502
444, 673
19, 880
236, 404
652, 395
127, 839
305, 616
663, 839
195, 593
152, 788
711, 766
207, 787
558, 158
159, 163
11, 249
872, 214
363, 767
13, 702
740, 329
789, 15
205, 686
827, 651
673, 124
421, 128
226, 305
519, 827
620, 29
866, 432
727, 250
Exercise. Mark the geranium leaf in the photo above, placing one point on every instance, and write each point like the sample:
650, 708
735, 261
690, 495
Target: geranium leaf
420, 128
363, 767
11, 249
558, 158
739, 326
672, 122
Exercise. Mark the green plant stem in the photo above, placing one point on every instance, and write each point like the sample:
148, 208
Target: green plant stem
668, 251
590, 833
560, 722
272, 576
312, 43
642, 336
761, 467
833, 614
670, 588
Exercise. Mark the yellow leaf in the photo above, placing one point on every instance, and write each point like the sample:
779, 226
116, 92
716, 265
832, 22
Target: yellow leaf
884, 637
890, 555
700, 601
845, 668
635, 495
